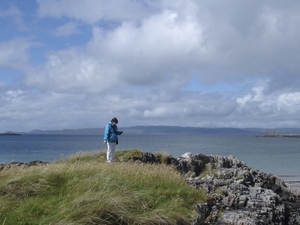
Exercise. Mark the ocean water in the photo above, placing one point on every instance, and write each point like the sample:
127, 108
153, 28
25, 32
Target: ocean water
279, 156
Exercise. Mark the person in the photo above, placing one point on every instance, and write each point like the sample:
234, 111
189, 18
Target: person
110, 138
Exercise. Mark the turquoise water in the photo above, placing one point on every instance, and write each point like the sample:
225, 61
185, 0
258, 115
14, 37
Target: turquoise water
279, 156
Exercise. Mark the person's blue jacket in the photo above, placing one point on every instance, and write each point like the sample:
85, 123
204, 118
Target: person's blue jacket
109, 133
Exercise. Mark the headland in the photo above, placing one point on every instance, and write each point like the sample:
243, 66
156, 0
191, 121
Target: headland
236, 193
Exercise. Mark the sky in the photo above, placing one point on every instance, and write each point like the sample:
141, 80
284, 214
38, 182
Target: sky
71, 64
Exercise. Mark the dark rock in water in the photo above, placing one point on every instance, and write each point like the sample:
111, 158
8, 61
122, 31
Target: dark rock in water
274, 134
9, 133
237, 193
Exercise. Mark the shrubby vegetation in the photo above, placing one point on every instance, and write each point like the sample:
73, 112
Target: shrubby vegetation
84, 189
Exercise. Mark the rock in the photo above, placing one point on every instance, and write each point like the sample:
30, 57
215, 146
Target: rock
240, 195
20, 164
149, 158
204, 211
237, 194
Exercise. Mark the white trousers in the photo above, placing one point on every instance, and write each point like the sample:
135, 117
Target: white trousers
111, 148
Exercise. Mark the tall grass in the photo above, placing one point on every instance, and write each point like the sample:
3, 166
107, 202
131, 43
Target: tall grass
84, 189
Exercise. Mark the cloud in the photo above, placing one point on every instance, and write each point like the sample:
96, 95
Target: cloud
67, 29
189, 39
188, 63
290, 101
251, 44
280, 107
130, 55
240, 37
93, 11
71, 71
15, 14
14, 53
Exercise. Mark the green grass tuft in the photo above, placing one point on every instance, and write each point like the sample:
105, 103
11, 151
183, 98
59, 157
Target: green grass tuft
84, 189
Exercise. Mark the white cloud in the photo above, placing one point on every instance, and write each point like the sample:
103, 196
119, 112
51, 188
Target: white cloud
290, 102
129, 55
268, 108
242, 101
72, 71
158, 112
14, 53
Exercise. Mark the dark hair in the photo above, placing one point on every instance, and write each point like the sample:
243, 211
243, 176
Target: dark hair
114, 120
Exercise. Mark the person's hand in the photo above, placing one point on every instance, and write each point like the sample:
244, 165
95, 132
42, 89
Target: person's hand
104, 142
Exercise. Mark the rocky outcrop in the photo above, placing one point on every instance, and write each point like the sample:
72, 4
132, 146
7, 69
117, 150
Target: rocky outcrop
236, 193
21, 164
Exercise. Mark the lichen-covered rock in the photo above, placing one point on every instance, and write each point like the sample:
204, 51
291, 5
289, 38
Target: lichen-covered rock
240, 195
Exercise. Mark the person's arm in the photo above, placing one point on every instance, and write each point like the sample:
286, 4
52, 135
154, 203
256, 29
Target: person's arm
106, 133
118, 132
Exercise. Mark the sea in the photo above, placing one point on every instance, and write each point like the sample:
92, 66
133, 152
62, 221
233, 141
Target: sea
279, 156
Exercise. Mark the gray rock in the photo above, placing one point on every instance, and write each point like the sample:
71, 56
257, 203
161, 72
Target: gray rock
240, 195
237, 194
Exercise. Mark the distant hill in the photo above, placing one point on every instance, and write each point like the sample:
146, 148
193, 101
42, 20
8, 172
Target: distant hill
86, 131
185, 130
171, 130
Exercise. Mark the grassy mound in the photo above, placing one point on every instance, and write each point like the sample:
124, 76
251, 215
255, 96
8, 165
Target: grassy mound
84, 189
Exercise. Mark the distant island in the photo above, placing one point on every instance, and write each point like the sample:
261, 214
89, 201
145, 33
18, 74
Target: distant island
9, 134
274, 134
170, 130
